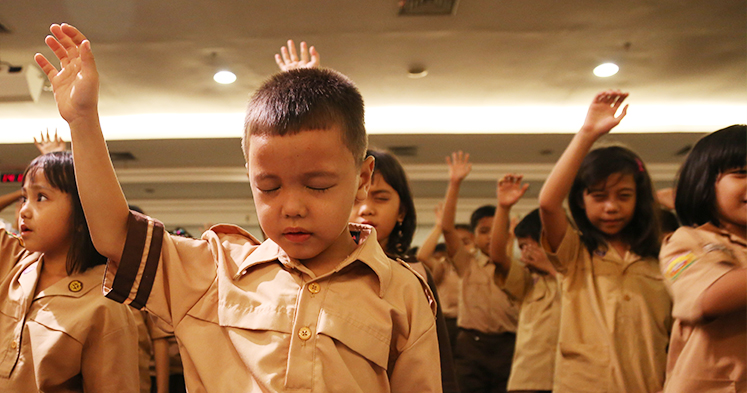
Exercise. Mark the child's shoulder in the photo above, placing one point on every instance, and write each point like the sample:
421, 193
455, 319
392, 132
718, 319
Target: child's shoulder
231, 234
692, 238
406, 278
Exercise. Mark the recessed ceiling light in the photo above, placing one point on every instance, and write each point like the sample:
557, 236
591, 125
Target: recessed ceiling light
417, 72
224, 77
606, 69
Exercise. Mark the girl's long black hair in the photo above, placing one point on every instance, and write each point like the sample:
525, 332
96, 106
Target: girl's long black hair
58, 169
388, 166
642, 232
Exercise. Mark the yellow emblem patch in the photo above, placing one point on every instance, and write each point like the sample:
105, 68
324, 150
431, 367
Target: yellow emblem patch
678, 264
75, 286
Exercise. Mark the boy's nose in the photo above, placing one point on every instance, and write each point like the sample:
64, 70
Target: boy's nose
294, 207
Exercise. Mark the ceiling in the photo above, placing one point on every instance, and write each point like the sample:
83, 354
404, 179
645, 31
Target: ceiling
157, 57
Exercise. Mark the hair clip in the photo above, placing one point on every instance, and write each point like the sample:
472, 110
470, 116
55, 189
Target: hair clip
640, 165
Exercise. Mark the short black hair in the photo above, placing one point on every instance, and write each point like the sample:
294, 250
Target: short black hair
57, 168
480, 213
307, 99
465, 227
529, 226
389, 168
712, 155
642, 232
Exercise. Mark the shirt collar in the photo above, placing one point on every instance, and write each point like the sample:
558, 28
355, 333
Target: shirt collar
733, 238
369, 252
76, 285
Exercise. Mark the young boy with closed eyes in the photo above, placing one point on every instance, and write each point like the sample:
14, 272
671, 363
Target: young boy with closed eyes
318, 307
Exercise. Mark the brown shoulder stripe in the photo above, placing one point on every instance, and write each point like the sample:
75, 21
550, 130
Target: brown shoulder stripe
129, 263
151, 265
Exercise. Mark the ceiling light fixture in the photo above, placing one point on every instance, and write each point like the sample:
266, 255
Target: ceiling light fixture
606, 70
224, 77
417, 72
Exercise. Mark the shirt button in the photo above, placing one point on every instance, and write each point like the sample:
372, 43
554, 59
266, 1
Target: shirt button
314, 288
626, 297
13, 345
304, 333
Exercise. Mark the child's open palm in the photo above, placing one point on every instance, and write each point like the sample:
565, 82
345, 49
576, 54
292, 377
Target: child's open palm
600, 118
510, 190
459, 165
76, 84
288, 57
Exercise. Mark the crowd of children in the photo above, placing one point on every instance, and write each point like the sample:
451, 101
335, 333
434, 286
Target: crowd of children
333, 301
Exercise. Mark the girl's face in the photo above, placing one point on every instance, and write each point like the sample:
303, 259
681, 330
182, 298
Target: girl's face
610, 205
380, 209
45, 217
731, 199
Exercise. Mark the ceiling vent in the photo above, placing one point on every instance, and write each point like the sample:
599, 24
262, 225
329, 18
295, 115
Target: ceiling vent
404, 151
427, 7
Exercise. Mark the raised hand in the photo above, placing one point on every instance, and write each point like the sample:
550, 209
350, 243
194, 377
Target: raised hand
536, 259
288, 57
600, 118
76, 84
459, 166
46, 144
439, 212
510, 190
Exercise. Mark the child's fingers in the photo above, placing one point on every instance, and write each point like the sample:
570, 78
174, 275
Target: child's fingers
59, 51
65, 40
315, 55
73, 33
292, 51
286, 57
279, 61
86, 56
45, 65
304, 52
623, 113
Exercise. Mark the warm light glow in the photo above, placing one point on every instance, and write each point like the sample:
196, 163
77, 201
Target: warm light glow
641, 118
606, 70
224, 77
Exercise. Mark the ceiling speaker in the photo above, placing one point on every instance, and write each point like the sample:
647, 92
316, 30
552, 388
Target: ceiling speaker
20, 83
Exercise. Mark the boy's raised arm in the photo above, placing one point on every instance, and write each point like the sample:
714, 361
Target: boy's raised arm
459, 168
76, 89
509, 191
600, 119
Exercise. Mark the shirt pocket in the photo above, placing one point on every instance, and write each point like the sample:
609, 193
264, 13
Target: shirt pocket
583, 367
365, 337
10, 331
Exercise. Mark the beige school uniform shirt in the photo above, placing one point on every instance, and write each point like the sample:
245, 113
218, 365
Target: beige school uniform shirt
250, 319
615, 320
68, 338
704, 355
483, 306
448, 288
539, 321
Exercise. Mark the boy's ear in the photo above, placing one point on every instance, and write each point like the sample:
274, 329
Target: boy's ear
364, 178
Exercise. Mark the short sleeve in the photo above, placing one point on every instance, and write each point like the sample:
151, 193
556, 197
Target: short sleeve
11, 251
691, 261
567, 254
165, 274
517, 281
